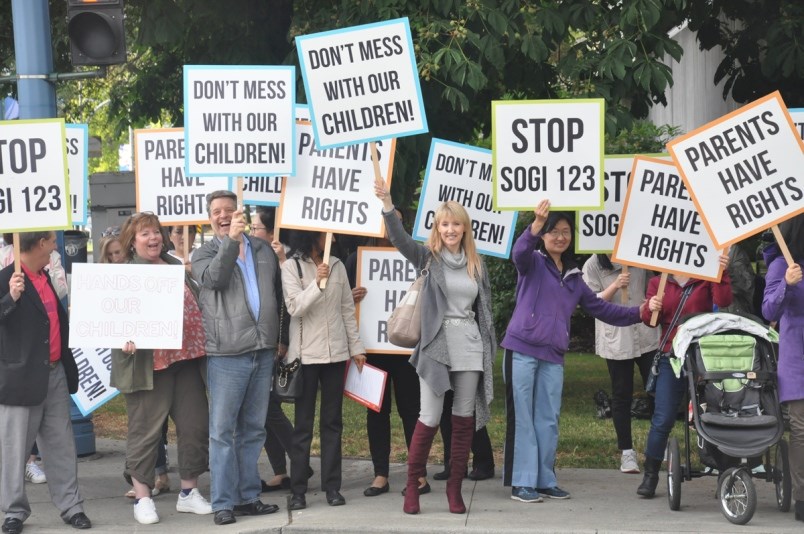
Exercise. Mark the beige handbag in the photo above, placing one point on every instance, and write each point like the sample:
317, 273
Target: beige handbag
405, 324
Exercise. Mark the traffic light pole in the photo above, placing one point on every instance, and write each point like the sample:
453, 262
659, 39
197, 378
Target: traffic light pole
33, 52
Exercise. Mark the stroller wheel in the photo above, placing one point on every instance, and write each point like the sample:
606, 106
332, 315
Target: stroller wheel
738, 497
674, 469
781, 477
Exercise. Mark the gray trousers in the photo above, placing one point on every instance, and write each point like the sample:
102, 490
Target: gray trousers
49, 424
797, 447
464, 385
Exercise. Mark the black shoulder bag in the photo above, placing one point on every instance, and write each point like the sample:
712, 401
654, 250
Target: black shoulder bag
288, 376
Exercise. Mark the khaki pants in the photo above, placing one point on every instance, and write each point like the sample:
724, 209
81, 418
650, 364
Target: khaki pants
797, 448
179, 392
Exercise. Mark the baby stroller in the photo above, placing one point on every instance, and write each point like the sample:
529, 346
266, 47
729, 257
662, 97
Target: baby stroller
730, 366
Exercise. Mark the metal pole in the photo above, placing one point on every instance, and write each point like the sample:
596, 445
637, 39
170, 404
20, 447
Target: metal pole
34, 56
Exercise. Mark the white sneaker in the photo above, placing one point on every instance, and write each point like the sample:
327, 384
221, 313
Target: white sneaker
628, 462
194, 503
34, 474
145, 512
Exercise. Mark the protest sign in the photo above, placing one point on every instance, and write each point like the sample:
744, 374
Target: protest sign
262, 190
34, 183
548, 149
596, 230
333, 189
366, 387
463, 173
162, 187
111, 304
362, 83
797, 114
743, 170
239, 120
386, 274
660, 228
77, 138
94, 374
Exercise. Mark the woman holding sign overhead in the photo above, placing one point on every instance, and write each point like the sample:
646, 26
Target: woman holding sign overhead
700, 297
457, 345
157, 383
784, 302
549, 288
324, 336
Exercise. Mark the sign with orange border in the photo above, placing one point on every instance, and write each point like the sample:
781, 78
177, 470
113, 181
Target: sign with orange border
386, 274
660, 229
161, 185
333, 189
745, 170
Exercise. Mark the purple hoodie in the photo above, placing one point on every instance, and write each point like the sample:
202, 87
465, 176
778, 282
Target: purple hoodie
540, 325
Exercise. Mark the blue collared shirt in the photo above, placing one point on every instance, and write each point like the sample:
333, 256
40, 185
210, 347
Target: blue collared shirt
250, 279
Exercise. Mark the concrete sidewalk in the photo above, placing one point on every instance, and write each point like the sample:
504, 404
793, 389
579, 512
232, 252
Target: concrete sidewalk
602, 501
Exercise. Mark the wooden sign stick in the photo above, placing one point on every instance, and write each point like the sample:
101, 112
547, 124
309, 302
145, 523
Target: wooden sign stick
186, 246
325, 259
659, 293
239, 191
17, 264
624, 290
776, 233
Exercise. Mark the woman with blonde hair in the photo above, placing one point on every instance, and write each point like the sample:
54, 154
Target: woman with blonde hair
457, 344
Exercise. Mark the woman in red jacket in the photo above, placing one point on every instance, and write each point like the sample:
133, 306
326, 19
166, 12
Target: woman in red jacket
669, 389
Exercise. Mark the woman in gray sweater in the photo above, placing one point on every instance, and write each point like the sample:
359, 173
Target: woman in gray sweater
457, 344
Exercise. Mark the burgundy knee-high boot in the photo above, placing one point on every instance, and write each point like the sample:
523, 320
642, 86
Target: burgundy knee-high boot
418, 452
463, 429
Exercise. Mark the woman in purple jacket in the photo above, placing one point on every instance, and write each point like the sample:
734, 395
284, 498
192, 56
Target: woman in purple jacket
549, 288
784, 302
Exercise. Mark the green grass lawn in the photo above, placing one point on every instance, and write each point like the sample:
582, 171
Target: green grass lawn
584, 441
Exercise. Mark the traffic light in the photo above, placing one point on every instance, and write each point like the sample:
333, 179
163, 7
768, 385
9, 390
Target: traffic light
97, 34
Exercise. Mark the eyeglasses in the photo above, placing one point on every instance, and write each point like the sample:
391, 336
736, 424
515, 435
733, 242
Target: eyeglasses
112, 231
255, 227
555, 234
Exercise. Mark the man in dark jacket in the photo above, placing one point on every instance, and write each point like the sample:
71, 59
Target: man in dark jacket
37, 374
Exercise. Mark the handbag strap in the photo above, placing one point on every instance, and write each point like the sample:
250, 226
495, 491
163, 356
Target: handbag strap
301, 322
674, 320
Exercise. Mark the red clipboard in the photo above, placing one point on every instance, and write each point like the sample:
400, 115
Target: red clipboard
357, 392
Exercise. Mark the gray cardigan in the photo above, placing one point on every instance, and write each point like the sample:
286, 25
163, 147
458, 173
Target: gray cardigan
431, 351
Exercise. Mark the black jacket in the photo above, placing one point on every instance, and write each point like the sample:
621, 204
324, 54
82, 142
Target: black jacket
24, 345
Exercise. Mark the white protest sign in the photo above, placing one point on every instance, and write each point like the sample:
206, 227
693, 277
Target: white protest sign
239, 120
463, 173
362, 83
548, 149
34, 187
744, 170
113, 303
77, 154
162, 187
333, 190
596, 230
262, 190
94, 374
386, 275
660, 228
797, 114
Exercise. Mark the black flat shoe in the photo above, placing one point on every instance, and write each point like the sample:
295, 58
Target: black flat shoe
481, 474
334, 498
255, 508
224, 517
297, 502
79, 521
373, 491
12, 525
284, 485
443, 475
423, 490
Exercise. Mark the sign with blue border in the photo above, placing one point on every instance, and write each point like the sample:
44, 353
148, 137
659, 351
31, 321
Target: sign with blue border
362, 83
77, 164
239, 120
463, 173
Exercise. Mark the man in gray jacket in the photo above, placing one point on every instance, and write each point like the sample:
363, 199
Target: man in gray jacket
240, 300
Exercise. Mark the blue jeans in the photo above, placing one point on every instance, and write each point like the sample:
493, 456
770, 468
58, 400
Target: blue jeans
536, 386
669, 391
239, 388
